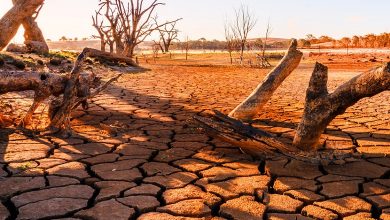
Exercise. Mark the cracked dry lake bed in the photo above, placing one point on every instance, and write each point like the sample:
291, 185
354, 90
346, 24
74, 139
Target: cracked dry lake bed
155, 164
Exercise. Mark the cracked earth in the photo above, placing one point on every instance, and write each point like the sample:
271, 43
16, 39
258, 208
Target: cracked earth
138, 155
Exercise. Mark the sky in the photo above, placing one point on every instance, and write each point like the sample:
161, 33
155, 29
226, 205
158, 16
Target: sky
206, 18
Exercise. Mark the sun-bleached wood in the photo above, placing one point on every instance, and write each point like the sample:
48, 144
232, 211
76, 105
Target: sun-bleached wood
251, 106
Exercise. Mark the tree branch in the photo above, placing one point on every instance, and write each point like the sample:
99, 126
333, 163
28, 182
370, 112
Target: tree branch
252, 105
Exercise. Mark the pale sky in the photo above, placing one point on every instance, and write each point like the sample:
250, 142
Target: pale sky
206, 18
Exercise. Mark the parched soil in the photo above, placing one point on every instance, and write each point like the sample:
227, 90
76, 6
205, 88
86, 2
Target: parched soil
137, 154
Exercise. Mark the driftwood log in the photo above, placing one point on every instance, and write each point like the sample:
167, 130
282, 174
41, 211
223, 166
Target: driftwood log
75, 88
44, 85
10, 22
252, 105
260, 143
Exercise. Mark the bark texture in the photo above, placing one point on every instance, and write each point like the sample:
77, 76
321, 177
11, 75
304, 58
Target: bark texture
259, 143
321, 107
34, 39
11, 21
251, 106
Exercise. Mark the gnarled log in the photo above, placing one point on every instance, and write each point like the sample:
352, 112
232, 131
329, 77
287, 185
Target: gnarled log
11, 21
321, 107
75, 87
44, 85
61, 117
251, 106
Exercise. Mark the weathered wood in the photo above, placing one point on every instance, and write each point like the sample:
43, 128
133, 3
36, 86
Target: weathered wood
252, 105
321, 107
33, 36
111, 57
41, 83
10, 22
60, 119
259, 143
44, 85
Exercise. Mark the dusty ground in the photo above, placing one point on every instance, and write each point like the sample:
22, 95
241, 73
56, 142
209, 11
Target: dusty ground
138, 155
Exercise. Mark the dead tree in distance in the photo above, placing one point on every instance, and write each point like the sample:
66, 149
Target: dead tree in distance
263, 59
168, 33
98, 25
241, 26
231, 42
109, 27
186, 46
130, 22
136, 18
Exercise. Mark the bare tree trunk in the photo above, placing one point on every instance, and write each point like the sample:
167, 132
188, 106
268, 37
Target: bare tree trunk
112, 47
103, 44
251, 106
321, 107
10, 22
34, 39
119, 46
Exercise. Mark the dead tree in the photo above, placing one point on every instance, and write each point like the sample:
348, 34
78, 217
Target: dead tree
98, 25
107, 23
186, 46
136, 18
251, 106
320, 109
263, 59
168, 33
231, 42
129, 23
242, 24
75, 88
10, 22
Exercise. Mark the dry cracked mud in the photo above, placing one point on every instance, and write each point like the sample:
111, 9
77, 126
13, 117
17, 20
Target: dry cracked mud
154, 164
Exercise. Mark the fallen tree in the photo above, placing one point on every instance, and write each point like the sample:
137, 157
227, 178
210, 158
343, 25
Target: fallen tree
10, 22
321, 108
75, 88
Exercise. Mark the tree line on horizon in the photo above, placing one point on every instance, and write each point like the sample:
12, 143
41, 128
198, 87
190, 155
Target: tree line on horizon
367, 41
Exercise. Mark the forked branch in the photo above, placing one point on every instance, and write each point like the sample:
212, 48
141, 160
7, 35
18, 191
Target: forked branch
321, 107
